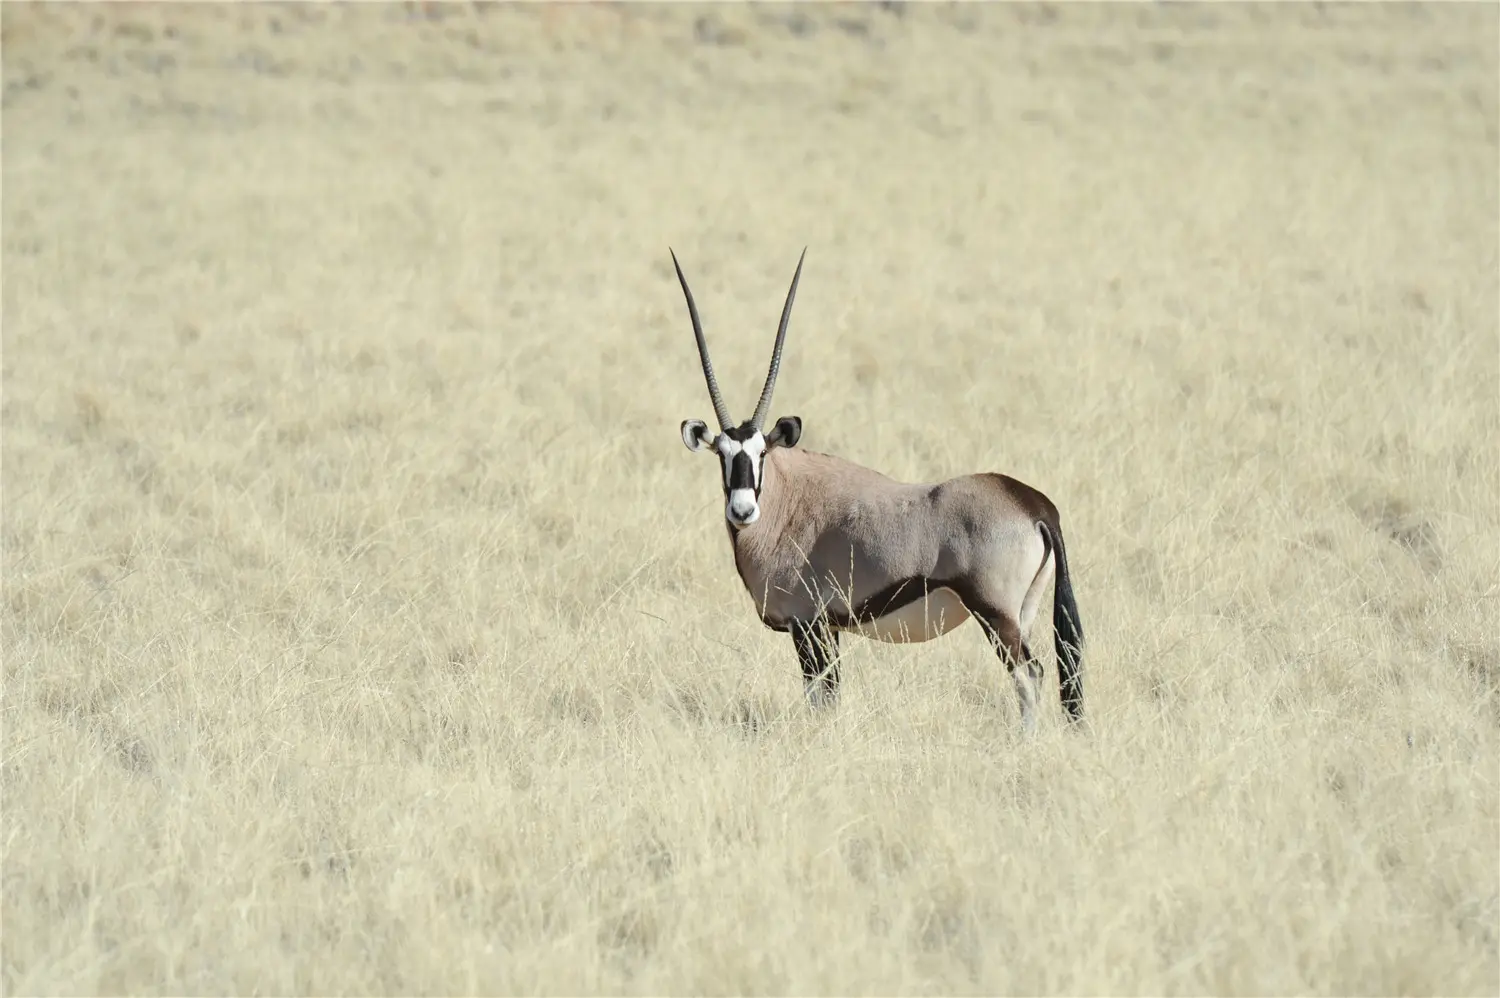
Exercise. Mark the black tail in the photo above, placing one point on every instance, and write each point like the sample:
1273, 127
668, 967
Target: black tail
1068, 640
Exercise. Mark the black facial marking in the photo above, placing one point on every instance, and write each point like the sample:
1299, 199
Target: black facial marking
740, 433
741, 472
741, 466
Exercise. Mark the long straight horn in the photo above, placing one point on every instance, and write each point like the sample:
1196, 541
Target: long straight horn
764, 407
720, 409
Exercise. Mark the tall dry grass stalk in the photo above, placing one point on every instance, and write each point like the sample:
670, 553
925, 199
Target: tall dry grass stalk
368, 630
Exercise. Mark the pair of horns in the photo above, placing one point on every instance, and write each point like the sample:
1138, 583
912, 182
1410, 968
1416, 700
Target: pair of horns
763, 408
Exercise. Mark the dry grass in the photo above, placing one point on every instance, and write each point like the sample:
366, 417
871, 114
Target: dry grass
367, 628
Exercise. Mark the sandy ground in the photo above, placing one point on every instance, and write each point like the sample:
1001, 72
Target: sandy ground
367, 628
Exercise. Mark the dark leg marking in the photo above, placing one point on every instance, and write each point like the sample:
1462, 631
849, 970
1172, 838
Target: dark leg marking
1004, 632
1024, 669
817, 649
1005, 635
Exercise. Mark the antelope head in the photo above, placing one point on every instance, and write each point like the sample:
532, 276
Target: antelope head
741, 447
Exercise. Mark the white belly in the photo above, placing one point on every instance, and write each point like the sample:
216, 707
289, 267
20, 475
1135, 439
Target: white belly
922, 620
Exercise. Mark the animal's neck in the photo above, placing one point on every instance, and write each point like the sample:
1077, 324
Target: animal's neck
778, 492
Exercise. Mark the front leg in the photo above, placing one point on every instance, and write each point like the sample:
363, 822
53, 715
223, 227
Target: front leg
818, 651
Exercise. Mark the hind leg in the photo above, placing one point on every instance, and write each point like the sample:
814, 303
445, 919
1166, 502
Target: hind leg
1028, 674
1004, 595
1025, 669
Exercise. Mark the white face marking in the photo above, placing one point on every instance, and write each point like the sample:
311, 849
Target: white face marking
727, 450
742, 509
756, 448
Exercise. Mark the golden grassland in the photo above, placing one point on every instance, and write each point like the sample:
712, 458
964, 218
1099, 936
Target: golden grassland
367, 628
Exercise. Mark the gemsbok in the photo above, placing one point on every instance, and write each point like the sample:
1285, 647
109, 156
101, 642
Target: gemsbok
825, 546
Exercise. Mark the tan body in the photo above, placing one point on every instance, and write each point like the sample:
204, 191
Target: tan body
832, 535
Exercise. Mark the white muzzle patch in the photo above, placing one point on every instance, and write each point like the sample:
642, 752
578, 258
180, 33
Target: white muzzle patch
742, 510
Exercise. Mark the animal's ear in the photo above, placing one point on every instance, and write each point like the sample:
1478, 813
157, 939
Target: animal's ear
786, 432
695, 434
